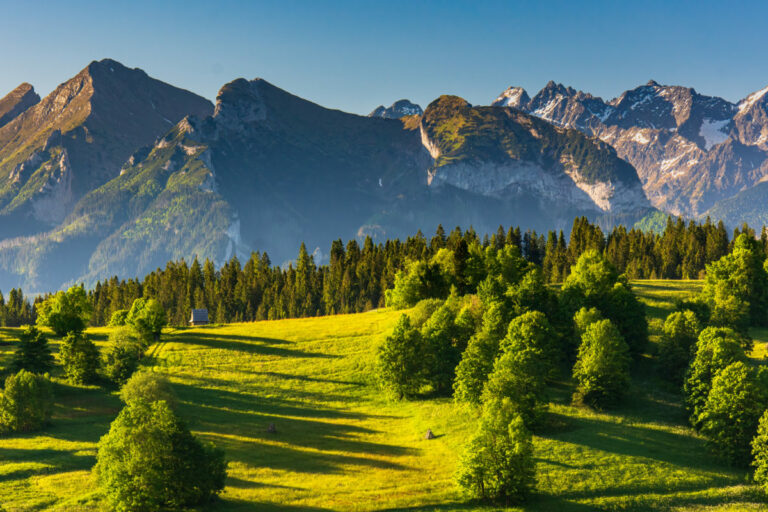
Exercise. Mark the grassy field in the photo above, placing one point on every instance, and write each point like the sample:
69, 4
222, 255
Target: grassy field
340, 445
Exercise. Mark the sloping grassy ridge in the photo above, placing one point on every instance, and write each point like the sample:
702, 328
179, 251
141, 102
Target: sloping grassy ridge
340, 445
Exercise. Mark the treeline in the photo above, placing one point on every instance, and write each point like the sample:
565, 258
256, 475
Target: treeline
356, 277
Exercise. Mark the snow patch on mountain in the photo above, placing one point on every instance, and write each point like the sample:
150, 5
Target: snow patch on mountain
512, 97
712, 132
750, 100
641, 138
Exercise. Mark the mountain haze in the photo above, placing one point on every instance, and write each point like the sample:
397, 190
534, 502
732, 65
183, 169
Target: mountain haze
267, 170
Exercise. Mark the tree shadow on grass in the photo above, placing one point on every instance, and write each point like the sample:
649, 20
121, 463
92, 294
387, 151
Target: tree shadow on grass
534, 502
262, 397
309, 438
644, 443
261, 346
231, 504
55, 461
290, 376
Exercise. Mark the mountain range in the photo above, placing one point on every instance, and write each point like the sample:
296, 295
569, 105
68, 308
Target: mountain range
691, 151
115, 173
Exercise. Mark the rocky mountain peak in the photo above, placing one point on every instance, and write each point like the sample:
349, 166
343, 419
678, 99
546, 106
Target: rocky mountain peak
16, 102
515, 97
240, 101
398, 109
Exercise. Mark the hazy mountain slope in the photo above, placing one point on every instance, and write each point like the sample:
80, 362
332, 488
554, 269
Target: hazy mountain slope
269, 170
748, 206
16, 102
76, 139
507, 154
690, 150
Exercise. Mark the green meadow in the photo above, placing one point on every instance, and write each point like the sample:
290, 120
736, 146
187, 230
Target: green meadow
340, 445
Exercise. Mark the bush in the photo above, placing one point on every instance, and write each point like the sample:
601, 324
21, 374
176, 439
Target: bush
583, 319
80, 358
65, 312
422, 311
526, 361
760, 452
732, 412
148, 318
498, 462
736, 286
420, 280
149, 387
602, 365
400, 360
716, 348
150, 461
477, 361
33, 353
678, 343
118, 318
628, 315
25, 403
122, 356
595, 283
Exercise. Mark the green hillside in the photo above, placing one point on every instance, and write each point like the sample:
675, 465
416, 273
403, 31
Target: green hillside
340, 445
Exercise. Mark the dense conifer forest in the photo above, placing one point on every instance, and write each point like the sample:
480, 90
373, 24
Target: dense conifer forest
356, 276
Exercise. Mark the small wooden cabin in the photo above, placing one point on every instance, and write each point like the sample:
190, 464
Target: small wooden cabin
199, 317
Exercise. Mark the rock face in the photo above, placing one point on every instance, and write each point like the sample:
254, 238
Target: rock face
690, 150
77, 138
16, 102
398, 109
268, 170
509, 155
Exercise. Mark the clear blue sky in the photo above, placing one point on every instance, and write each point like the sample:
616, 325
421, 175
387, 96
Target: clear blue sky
354, 55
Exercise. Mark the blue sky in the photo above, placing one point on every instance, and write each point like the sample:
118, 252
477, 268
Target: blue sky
354, 55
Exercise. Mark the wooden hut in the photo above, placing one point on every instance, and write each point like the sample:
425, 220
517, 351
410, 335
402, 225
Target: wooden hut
199, 317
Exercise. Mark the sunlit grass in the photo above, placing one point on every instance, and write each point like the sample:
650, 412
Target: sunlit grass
340, 445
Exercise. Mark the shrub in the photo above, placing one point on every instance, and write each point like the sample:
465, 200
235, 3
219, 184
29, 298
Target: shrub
732, 412
521, 371
26, 402
80, 358
118, 318
498, 462
595, 283
583, 319
716, 348
150, 461
678, 343
422, 311
122, 356
149, 387
148, 318
531, 338
628, 315
33, 353
532, 294
602, 365
736, 286
477, 360
760, 452
444, 340
420, 280
65, 312
400, 360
